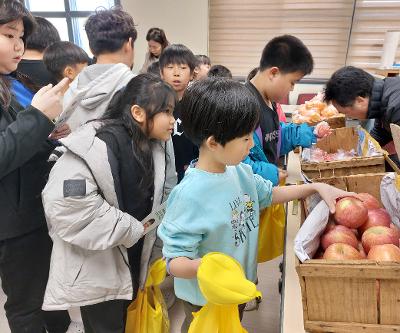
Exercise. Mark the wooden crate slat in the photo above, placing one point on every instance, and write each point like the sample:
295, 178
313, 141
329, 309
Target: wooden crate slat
390, 301
337, 327
346, 270
344, 299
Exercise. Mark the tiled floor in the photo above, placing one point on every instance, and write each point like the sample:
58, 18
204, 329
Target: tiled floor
265, 320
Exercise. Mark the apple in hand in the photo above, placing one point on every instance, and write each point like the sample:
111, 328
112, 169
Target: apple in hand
351, 212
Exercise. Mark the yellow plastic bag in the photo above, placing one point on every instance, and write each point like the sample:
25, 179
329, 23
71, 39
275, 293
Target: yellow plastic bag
148, 312
217, 318
271, 233
223, 283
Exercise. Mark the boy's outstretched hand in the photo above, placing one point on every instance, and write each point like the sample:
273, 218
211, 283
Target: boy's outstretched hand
331, 194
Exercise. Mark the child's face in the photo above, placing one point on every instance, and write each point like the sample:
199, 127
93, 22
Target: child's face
202, 71
234, 151
281, 84
178, 76
162, 125
11, 46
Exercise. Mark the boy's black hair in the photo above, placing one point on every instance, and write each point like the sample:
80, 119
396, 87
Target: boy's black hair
44, 35
178, 54
289, 54
219, 71
154, 68
157, 35
203, 60
108, 29
62, 54
346, 84
224, 109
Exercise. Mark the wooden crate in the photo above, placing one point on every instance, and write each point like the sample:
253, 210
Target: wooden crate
342, 138
341, 297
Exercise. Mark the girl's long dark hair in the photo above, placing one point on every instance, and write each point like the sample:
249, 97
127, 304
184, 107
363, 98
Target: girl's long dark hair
11, 10
154, 96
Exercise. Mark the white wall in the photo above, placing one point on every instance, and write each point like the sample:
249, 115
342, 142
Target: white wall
184, 22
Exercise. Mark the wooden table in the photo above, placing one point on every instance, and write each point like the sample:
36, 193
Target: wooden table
291, 305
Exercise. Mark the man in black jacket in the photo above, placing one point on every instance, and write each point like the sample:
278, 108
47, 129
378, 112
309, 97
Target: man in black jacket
359, 95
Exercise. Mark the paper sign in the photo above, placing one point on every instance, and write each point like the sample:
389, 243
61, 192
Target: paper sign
153, 220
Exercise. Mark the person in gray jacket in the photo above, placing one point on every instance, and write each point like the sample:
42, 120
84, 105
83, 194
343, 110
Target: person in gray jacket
114, 173
111, 34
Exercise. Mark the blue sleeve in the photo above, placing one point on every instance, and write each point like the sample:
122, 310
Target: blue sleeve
180, 229
264, 191
293, 135
266, 170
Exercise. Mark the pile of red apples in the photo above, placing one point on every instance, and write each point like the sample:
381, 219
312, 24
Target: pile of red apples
360, 229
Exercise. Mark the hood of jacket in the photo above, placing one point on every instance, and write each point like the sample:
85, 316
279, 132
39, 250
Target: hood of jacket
96, 83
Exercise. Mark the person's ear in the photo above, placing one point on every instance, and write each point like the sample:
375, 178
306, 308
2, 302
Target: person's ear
69, 72
138, 114
274, 71
128, 45
211, 143
361, 104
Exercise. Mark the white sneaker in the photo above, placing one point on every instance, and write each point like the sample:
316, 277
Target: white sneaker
75, 327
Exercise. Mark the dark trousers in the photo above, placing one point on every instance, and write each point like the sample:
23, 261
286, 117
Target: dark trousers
189, 308
24, 270
106, 317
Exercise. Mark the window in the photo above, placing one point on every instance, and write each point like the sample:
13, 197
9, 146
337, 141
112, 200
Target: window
336, 32
240, 29
371, 21
69, 16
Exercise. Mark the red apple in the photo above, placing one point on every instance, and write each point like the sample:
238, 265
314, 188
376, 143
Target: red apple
339, 251
351, 212
339, 234
369, 201
378, 235
376, 217
385, 252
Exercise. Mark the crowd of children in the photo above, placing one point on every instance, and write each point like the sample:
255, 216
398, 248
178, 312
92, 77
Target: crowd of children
124, 142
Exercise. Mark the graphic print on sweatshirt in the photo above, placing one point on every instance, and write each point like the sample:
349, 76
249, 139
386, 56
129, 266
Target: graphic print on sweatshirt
178, 129
243, 218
